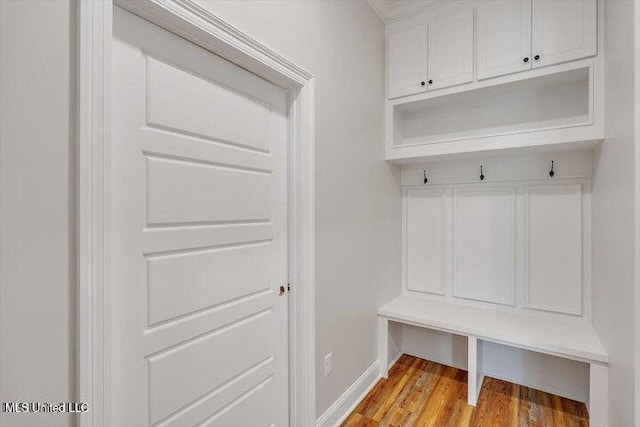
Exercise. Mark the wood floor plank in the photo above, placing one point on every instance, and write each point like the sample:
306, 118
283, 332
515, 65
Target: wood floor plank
423, 393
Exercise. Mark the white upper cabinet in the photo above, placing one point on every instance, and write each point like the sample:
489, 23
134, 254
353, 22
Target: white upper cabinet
563, 30
407, 61
450, 60
504, 37
475, 75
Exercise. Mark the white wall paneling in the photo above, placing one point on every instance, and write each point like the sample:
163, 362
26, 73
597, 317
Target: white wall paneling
554, 278
519, 240
427, 221
484, 243
523, 245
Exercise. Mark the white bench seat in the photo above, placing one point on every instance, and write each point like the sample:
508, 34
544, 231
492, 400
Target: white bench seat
562, 338
566, 339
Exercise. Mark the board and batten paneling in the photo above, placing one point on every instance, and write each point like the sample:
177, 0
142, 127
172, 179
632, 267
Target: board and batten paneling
554, 250
425, 221
484, 244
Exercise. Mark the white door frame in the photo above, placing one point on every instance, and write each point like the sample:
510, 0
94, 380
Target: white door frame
190, 21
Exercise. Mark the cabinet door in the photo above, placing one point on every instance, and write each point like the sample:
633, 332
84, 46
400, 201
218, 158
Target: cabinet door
504, 37
407, 61
563, 30
451, 50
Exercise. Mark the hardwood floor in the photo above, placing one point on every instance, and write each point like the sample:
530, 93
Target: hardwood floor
423, 393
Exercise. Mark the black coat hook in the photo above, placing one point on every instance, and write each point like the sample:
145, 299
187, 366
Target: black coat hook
481, 174
551, 172
424, 174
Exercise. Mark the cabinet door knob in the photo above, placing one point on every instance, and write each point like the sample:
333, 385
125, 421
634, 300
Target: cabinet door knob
422, 83
430, 82
536, 57
525, 60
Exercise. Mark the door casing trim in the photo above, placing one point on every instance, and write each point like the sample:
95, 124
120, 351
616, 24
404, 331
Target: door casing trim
190, 21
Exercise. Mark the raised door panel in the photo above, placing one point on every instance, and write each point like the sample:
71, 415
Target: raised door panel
554, 235
563, 30
450, 59
503, 37
484, 244
425, 241
407, 61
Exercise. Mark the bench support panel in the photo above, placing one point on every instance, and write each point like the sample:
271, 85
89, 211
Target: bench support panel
598, 394
474, 370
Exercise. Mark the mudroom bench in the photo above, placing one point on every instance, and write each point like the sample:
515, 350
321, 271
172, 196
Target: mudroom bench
572, 340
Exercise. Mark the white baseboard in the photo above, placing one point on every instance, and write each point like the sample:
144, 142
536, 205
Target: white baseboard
346, 403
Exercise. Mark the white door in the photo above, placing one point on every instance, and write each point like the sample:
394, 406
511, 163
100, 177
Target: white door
504, 37
198, 235
451, 50
407, 61
563, 30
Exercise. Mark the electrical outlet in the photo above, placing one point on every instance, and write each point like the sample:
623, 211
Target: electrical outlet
328, 364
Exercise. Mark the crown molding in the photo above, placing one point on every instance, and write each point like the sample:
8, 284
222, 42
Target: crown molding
391, 11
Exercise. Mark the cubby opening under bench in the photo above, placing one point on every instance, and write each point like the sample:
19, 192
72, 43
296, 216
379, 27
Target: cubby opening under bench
565, 339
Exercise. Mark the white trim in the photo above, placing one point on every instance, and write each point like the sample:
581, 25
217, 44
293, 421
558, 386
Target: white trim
94, 41
399, 10
636, 31
444, 267
348, 401
186, 19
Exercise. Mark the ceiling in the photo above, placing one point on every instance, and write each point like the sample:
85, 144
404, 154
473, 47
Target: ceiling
394, 10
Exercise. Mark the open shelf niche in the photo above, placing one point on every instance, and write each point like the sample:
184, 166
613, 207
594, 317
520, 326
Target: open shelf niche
547, 102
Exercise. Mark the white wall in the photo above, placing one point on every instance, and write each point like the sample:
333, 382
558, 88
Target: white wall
358, 197
36, 140
613, 215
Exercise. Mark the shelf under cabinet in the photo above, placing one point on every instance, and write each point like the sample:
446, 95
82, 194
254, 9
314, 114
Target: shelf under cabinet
548, 109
